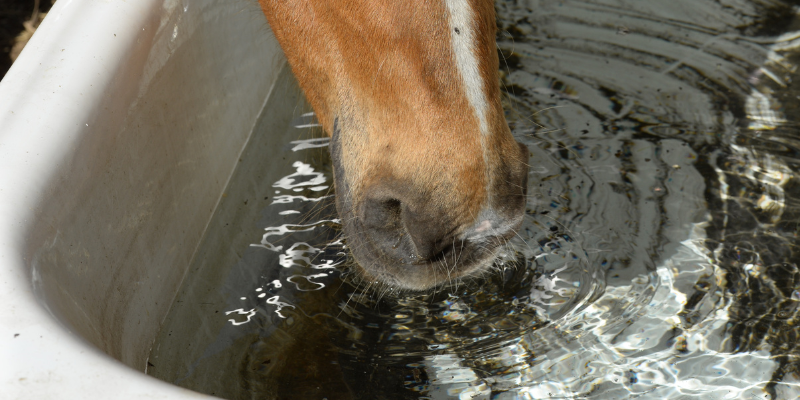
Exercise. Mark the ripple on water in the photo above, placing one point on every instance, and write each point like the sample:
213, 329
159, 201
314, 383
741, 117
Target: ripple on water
656, 259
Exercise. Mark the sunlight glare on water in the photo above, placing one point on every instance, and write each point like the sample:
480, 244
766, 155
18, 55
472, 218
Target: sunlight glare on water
657, 259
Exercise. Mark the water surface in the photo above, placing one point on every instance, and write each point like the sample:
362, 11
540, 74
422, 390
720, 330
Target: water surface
657, 259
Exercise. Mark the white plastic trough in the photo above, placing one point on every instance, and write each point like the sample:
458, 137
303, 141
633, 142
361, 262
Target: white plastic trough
120, 124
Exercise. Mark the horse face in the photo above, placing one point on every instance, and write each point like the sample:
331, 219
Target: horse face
429, 180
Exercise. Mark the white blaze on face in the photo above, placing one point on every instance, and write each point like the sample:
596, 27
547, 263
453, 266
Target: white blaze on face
462, 32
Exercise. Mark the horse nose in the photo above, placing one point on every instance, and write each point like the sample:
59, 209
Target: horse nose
431, 235
413, 230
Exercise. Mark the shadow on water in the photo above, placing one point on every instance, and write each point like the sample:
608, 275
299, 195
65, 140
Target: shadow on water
657, 259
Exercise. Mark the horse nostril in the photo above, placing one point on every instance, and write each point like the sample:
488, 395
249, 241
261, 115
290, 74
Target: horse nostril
429, 249
410, 231
381, 213
429, 235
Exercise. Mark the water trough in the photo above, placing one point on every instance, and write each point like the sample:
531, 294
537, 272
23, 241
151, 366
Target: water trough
120, 125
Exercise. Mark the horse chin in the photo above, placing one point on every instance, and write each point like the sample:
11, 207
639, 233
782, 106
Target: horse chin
431, 276
393, 264
386, 269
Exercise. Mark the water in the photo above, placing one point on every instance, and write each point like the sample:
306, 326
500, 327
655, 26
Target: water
657, 260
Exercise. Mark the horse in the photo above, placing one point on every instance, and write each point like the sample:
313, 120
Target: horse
429, 180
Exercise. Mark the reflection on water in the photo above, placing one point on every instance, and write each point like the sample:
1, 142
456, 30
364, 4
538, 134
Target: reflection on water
657, 260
